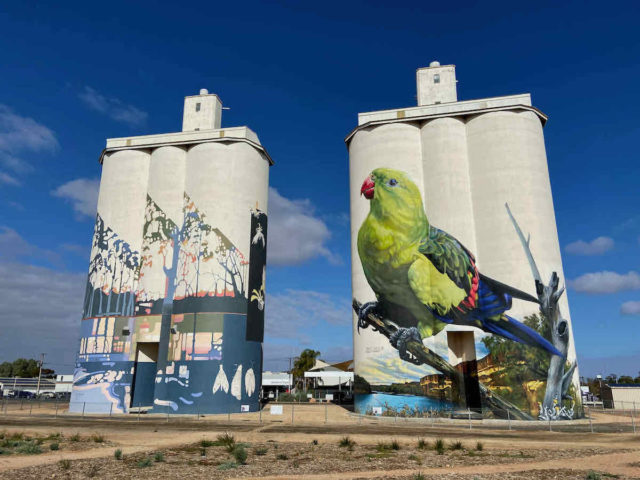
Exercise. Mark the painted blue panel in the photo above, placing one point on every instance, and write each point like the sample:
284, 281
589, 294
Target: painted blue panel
144, 384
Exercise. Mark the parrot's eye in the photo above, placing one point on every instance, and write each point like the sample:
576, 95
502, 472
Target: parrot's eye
393, 182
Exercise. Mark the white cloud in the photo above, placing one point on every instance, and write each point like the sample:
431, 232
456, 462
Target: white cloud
83, 195
295, 233
20, 134
41, 312
630, 308
596, 246
13, 247
113, 108
9, 180
606, 282
289, 313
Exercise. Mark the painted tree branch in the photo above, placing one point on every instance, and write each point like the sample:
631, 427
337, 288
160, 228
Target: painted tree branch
558, 381
424, 356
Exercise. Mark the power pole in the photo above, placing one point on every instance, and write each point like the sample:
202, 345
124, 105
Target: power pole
40, 373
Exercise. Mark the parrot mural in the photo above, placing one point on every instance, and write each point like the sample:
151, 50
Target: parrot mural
423, 278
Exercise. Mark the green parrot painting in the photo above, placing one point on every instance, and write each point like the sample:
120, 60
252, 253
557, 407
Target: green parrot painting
423, 278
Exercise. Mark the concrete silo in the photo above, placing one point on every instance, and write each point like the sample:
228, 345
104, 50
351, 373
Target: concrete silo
467, 160
173, 316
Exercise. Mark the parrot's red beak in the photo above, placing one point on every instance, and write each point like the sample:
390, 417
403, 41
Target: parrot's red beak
368, 188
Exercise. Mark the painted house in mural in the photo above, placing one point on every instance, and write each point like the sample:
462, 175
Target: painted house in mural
174, 305
446, 310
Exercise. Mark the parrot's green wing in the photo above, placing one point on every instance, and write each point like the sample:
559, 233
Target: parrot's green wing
448, 256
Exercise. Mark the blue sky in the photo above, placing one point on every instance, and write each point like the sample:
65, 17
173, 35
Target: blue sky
75, 73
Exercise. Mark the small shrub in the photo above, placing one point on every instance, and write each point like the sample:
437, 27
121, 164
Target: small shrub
419, 476
4, 451
145, 462
227, 466
479, 446
260, 451
158, 457
457, 445
225, 440
438, 446
394, 444
29, 448
422, 444
346, 442
591, 475
240, 454
282, 456
17, 436
117, 454
203, 452
64, 464
314, 442
75, 437
415, 458
97, 438
54, 446
207, 443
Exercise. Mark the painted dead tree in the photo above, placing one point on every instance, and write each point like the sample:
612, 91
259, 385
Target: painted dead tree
559, 375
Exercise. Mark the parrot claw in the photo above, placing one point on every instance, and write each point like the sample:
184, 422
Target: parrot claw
399, 341
365, 310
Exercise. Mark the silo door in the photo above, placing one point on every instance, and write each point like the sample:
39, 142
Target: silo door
462, 354
144, 375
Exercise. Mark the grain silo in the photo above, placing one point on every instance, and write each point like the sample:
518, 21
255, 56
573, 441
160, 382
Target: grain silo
173, 316
452, 295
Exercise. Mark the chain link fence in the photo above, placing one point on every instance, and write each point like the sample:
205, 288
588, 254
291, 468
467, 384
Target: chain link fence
588, 420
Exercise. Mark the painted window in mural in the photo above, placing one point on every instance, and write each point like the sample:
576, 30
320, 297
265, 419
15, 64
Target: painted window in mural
196, 336
429, 293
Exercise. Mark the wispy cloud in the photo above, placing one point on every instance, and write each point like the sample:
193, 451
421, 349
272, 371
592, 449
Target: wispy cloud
606, 282
82, 193
14, 247
19, 135
296, 234
113, 107
630, 308
597, 246
291, 313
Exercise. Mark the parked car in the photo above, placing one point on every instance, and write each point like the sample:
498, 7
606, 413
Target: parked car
20, 394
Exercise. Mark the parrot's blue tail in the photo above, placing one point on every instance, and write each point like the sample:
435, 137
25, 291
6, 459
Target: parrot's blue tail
491, 310
510, 328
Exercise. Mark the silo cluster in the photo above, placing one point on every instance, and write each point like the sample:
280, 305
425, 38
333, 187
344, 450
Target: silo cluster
469, 159
174, 308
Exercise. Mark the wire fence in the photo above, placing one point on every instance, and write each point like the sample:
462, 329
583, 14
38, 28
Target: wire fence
588, 420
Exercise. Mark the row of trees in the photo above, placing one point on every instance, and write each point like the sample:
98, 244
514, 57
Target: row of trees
24, 368
594, 383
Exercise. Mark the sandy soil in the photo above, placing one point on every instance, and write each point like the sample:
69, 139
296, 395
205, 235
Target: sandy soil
506, 454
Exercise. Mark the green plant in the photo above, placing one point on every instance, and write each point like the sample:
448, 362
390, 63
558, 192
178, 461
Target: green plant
207, 443
158, 457
227, 466
75, 437
457, 445
346, 442
225, 440
117, 454
394, 444
260, 451
438, 446
314, 442
479, 446
419, 476
240, 454
415, 458
282, 456
145, 462
64, 464
97, 438
591, 475
422, 444
54, 446
29, 448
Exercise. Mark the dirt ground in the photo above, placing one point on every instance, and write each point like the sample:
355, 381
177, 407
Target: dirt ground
311, 450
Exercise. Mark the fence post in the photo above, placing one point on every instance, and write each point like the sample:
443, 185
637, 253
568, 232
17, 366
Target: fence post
509, 418
469, 412
292, 410
229, 414
260, 412
30, 407
110, 409
590, 422
139, 412
84, 404
550, 424
633, 423
56, 408
326, 413
167, 415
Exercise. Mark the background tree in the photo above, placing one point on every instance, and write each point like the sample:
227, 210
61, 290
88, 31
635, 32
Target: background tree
302, 363
24, 368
